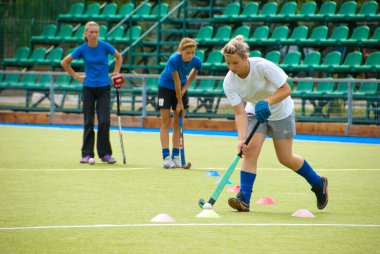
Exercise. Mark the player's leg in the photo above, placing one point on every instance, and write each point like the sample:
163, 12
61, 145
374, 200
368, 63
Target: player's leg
249, 167
164, 105
103, 107
282, 133
88, 126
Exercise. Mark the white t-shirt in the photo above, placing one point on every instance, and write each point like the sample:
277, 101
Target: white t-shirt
263, 80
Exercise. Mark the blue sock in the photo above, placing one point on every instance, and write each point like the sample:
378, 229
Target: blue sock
246, 184
165, 153
175, 152
309, 174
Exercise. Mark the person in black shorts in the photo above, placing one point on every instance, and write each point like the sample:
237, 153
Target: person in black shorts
172, 94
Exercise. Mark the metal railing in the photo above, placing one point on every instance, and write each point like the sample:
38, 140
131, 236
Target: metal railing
354, 107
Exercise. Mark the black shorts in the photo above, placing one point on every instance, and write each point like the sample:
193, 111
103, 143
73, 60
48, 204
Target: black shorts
167, 99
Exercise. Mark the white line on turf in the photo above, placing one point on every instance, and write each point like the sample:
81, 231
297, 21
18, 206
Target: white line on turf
93, 168
196, 225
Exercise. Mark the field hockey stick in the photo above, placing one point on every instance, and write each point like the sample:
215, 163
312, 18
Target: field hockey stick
119, 120
182, 144
228, 173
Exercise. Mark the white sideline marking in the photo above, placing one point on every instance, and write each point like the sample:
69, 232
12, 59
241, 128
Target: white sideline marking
93, 168
196, 225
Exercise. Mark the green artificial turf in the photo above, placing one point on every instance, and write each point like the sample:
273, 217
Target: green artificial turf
52, 204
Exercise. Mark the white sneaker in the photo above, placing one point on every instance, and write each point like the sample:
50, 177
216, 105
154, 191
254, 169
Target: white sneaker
168, 163
177, 162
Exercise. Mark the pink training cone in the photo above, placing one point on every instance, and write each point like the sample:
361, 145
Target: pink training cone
266, 201
234, 189
163, 218
304, 213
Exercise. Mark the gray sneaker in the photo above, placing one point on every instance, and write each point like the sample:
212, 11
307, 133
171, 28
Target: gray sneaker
177, 162
168, 162
107, 158
85, 159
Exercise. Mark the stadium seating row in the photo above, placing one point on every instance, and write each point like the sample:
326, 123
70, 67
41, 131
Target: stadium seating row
299, 35
109, 12
68, 33
308, 11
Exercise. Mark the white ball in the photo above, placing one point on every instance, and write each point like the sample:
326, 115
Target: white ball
207, 206
91, 161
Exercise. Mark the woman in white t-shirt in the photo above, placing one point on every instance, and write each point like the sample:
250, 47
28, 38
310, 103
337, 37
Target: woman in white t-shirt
262, 85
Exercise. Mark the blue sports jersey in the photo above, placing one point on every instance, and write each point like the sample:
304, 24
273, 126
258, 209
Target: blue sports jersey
96, 63
175, 64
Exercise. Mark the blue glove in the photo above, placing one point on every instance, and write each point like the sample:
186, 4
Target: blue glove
262, 111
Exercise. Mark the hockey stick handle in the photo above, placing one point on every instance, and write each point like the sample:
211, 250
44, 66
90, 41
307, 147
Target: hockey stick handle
118, 101
250, 136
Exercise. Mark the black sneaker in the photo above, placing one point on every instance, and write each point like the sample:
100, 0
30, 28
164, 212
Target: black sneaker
239, 203
322, 193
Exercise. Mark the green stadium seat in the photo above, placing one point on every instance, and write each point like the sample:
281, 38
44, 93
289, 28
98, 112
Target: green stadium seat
259, 35
231, 10
307, 9
48, 32
109, 9
64, 34
318, 35
375, 39
302, 89
223, 32
62, 82
322, 89
124, 11
340, 92
132, 34
143, 11
346, 11
78, 35
203, 33
310, 61
102, 32
91, 12
331, 60
372, 63
279, 35
298, 33
241, 30
205, 87
200, 53
351, 62
151, 85
28, 79
249, 10
205, 93
37, 54
368, 11
10, 80
159, 10
268, 10
22, 53
291, 59
255, 53
287, 11
54, 56
274, 56
359, 35
215, 56
76, 9
115, 34
327, 9
365, 90
339, 34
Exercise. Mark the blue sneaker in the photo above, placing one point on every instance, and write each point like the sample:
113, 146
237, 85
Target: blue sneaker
107, 158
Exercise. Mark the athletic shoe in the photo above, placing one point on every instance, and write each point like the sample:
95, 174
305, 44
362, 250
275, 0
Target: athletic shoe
85, 159
239, 203
322, 193
177, 162
168, 162
107, 158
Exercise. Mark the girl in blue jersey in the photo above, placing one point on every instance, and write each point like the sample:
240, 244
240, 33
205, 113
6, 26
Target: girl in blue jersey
172, 94
96, 91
